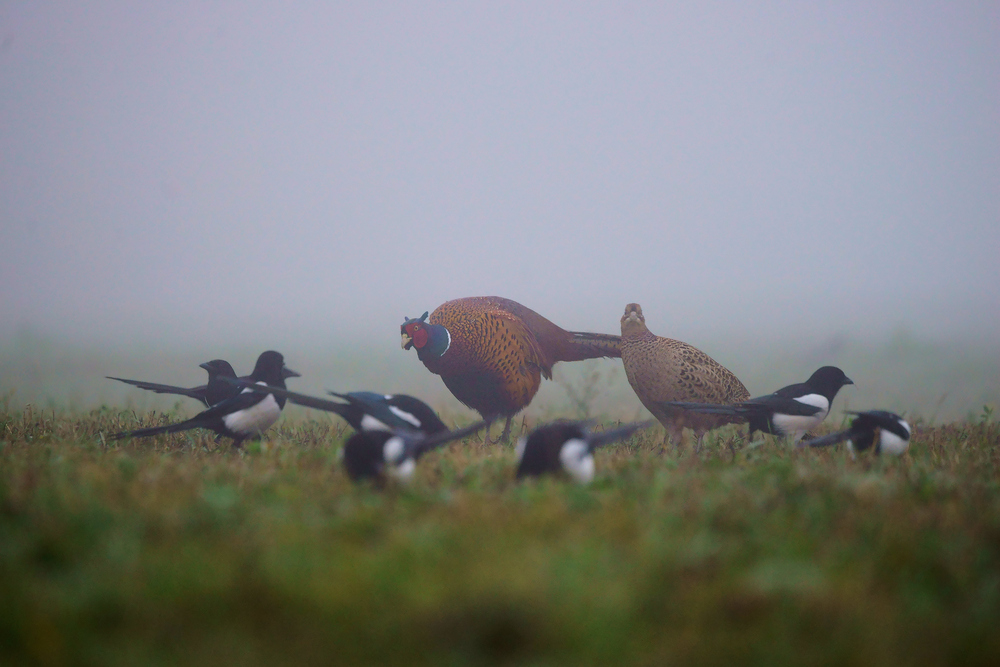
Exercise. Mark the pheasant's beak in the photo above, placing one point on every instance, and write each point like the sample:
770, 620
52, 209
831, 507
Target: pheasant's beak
407, 342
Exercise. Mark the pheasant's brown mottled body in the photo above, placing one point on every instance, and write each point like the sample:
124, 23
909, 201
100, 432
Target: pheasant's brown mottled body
499, 350
663, 369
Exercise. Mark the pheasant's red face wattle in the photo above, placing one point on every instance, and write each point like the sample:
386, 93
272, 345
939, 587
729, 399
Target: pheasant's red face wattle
417, 332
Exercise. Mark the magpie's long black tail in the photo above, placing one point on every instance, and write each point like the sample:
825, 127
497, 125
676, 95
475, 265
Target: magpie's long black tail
429, 443
828, 440
197, 393
707, 408
616, 434
156, 430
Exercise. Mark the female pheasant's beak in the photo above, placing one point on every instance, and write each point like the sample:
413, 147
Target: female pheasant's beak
407, 342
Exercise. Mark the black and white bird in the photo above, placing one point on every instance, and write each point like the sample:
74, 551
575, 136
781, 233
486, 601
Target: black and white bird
215, 391
789, 412
567, 446
369, 411
244, 415
884, 431
382, 454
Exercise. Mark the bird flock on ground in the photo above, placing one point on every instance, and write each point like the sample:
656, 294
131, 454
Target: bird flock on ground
492, 353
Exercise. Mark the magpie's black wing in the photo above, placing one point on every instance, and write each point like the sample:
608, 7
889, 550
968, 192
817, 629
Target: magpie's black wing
299, 399
398, 412
781, 404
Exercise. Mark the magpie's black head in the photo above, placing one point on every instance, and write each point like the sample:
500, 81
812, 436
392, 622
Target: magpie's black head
827, 381
270, 368
218, 367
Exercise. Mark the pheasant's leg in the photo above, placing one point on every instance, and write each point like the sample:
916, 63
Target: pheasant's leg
486, 435
505, 436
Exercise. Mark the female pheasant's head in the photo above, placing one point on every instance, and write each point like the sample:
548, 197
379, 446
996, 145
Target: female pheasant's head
429, 339
633, 322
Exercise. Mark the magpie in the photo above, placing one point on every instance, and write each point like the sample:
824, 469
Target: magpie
789, 412
569, 446
885, 431
244, 415
379, 454
367, 410
216, 391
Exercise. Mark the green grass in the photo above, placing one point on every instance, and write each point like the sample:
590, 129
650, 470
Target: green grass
173, 550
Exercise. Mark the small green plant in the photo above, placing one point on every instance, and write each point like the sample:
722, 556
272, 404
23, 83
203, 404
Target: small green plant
987, 416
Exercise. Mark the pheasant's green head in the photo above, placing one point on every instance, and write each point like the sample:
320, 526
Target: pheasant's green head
429, 339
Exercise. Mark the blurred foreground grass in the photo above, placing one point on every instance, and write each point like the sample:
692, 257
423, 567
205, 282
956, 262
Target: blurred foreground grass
177, 551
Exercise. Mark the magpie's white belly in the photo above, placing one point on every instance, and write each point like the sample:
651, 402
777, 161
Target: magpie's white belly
255, 419
393, 452
795, 426
577, 460
892, 443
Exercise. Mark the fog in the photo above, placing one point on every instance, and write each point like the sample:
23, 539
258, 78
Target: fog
208, 176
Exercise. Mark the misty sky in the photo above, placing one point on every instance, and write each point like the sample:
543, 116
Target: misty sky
230, 171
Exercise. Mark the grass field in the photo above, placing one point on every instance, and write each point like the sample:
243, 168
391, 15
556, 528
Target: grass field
176, 551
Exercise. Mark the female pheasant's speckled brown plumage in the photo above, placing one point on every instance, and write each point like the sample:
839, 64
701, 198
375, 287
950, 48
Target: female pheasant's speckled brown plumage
499, 350
663, 369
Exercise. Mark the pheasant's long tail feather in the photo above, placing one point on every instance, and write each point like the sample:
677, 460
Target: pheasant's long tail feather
582, 345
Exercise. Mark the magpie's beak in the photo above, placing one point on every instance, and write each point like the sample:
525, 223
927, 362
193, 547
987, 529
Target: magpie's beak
287, 372
848, 380
407, 342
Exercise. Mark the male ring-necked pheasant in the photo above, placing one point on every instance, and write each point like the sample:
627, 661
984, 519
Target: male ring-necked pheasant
492, 352
663, 369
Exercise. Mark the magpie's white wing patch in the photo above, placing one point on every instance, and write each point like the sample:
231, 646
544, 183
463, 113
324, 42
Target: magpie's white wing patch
405, 416
816, 401
369, 423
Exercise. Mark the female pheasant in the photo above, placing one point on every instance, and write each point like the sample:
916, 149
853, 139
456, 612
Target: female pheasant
664, 369
492, 352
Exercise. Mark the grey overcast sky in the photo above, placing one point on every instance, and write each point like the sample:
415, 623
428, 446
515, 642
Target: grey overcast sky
232, 171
